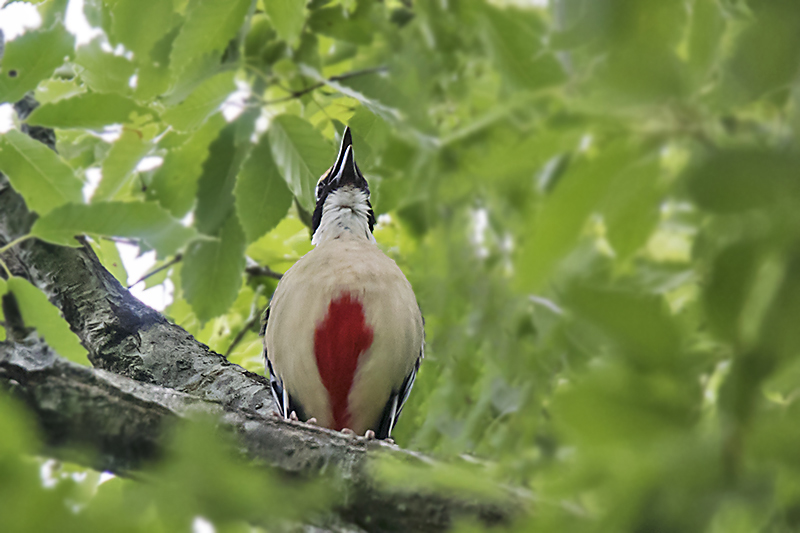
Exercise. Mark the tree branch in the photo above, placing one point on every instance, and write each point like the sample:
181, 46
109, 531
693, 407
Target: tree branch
114, 423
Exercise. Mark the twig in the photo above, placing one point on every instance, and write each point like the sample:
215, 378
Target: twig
176, 259
251, 321
122, 240
239, 336
340, 77
15, 242
258, 270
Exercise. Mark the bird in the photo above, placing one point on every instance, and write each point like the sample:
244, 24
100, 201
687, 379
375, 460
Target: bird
343, 333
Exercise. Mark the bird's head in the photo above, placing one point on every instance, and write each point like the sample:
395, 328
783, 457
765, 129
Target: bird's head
342, 199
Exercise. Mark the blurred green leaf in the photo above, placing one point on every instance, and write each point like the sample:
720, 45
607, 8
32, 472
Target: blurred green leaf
208, 27
38, 312
639, 324
301, 154
557, 226
139, 24
31, 58
282, 246
204, 101
37, 173
146, 221
287, 18
332, 22
53, 90
731, 181
631, 209
766, 56
212, 271
514, 37
104, 72
90, 110
119, 164
262, 197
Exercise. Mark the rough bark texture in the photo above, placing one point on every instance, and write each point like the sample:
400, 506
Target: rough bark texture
150, 373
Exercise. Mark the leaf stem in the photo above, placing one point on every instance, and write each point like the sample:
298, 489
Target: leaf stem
340, 77
15, 242
176, 259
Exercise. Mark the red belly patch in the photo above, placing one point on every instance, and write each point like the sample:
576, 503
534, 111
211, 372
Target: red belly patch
339, 340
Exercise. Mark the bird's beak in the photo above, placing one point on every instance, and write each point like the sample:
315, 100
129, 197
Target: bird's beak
347, 141
344, 170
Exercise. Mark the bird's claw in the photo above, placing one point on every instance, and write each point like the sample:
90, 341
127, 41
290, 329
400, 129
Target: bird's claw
312, 421
349, 432
293, 416
369, 435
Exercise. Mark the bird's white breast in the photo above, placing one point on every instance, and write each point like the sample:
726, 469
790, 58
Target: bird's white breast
300, 303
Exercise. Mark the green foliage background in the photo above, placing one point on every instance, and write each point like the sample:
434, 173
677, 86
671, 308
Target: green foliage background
596, 203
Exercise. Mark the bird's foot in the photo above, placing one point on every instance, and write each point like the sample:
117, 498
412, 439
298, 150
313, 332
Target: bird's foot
349, 432
369, 435
389, 440
312, 421
293, 416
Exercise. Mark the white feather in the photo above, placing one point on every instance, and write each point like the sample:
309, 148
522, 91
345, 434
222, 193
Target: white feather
345, 210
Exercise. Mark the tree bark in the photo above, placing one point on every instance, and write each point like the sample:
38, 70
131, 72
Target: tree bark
150, 373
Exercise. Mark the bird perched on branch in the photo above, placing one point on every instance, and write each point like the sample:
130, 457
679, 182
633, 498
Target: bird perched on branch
344, 335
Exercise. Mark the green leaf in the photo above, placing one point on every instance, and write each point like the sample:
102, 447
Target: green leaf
108, 253
212, 271
514, 38
53, 90
31, 58
729, 181
640, 324
631, 208
91, 110
557, 226
104, 72
154, 76
262, 197
119, 164
706, 28
766, 56
215, 201
37, 173
174, 184
282, 246
209, 26
139, 24
301, 154
331, 21
37, 312
287, 18
201, 103
375, 93
732, 277
147, 221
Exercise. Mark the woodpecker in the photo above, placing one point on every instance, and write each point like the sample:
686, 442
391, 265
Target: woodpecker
344, 333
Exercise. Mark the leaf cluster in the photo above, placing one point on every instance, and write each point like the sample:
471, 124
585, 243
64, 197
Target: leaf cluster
596, 203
